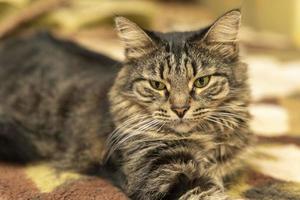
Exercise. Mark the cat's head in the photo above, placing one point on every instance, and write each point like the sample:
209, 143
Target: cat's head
181, 81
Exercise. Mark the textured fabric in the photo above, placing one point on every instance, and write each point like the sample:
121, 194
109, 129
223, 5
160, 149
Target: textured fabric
43, 182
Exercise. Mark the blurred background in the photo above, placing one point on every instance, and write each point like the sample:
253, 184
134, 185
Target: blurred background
270, 44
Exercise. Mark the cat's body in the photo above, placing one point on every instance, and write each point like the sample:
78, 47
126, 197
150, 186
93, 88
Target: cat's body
178, 107
53, 91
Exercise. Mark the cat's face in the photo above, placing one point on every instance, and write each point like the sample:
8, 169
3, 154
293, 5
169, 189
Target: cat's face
178, 92
183, 81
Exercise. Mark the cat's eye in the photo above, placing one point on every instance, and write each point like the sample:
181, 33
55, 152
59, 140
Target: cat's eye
202, 81
157, 85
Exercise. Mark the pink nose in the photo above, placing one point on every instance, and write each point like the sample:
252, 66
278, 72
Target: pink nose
180, 111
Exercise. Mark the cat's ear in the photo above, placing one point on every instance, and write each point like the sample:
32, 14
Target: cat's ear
222, 35
136, 41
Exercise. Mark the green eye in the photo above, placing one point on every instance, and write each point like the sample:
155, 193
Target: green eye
202, 82
157, 85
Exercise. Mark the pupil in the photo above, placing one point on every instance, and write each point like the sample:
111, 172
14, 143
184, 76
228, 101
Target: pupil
201, 81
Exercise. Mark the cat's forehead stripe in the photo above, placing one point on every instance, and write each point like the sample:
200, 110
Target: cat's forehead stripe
184, 66
179, 61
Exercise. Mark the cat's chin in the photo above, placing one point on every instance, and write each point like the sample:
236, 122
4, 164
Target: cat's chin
183, 127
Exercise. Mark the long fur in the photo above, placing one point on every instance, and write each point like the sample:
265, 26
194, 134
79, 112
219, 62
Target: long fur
83, 110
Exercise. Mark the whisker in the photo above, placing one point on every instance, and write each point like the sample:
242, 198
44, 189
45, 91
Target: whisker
124, 125
215, 120
118, 134
232, 115
161, 127
144, 126
136, 132
162, 118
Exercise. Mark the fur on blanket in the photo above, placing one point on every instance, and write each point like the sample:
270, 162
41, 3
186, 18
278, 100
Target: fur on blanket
261, 179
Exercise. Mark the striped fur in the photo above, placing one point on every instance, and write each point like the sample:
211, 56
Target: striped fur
163, 156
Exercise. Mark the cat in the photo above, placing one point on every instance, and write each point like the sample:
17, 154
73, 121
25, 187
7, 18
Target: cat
172, 118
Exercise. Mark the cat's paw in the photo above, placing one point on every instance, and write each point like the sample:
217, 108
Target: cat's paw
212, 194
217, 196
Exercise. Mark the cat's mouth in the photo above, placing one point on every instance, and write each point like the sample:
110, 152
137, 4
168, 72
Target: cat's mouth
182, 125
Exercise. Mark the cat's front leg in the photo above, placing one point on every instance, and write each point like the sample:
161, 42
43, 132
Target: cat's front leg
169, 170
175, 179
197, 194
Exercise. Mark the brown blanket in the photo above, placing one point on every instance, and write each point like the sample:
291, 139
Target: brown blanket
41, 182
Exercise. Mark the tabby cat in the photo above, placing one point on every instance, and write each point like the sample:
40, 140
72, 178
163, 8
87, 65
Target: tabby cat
172, 118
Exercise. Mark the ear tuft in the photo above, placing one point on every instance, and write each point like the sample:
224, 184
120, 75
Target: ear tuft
225, 29
136, 41
222, 35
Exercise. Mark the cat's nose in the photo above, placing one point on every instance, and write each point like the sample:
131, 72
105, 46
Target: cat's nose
180, 111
